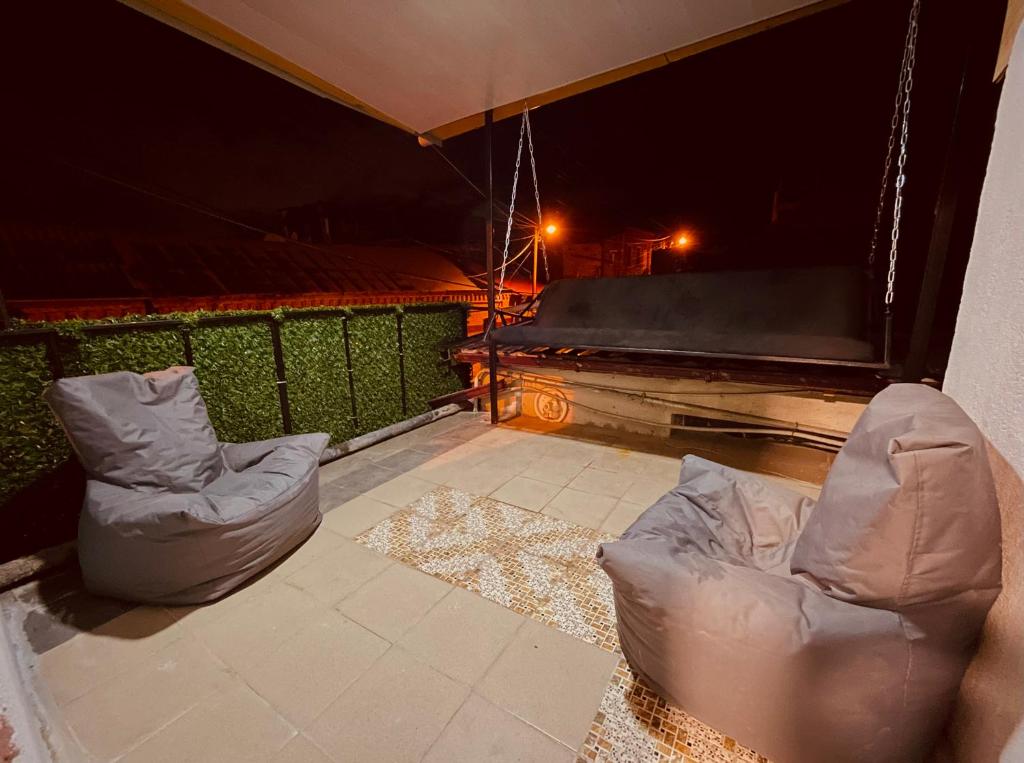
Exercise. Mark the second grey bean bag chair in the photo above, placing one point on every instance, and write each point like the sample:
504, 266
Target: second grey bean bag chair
171, 515
836, 632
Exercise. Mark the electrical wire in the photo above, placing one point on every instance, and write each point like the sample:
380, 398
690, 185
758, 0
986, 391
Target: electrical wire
209, 212
794, 433
771, 425
477, 188
590, 385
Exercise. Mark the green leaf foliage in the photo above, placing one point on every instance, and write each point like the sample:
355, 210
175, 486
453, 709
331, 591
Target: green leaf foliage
31, 441
138, 351
374, 343
235, 367
318, 392
234, 363
426, 336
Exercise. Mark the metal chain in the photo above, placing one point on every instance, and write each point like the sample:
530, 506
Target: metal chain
536, 192
901, 162
900, 125
512, 206
891, 146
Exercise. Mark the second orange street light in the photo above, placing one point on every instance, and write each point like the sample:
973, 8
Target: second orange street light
549, 230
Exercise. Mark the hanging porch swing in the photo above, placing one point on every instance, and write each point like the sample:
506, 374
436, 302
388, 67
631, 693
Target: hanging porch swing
808, 315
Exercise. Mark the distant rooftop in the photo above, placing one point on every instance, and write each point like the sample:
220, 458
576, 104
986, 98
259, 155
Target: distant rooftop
49, 274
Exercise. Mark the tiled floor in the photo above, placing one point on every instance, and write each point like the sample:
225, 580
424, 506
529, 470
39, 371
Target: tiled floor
342, 652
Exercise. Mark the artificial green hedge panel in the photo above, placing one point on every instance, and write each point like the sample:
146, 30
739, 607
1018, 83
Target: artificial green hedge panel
374, 343
428, 375
235, 367
138, 351
318, 393
31, 442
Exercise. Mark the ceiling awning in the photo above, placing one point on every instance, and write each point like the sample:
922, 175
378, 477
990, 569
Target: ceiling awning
433, 67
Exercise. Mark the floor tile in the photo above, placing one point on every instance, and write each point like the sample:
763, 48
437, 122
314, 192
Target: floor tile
367, 477
623, 515
328, 473
436, 445
118, 714
244, 635
481, 479
482, 732
87, 660
567, 449
551, 680
305, 674
649, 489
462, 635
451, 463
53, 621
526, 493
333, 576
600, 482
335, 494
319, 543
357, 515
393, 601
557, 471
299, 750
393, 713
406, 459
666, 467
580, 508
401, 491
235, 726
617, 460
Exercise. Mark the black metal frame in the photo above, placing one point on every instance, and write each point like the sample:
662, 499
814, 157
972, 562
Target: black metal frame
49, 338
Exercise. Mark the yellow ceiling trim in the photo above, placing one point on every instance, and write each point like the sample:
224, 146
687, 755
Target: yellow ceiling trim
198, 24
1014, 19
459, 126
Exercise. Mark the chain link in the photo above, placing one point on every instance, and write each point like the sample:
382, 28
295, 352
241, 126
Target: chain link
899, 126
901, 162
536, 194
890, 150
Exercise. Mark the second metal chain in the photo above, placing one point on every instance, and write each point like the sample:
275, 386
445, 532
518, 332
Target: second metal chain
536, 193
900, 126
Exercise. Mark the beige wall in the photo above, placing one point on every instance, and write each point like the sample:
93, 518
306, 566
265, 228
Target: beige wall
986, 376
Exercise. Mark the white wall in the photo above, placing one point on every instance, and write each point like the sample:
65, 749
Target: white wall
986, 376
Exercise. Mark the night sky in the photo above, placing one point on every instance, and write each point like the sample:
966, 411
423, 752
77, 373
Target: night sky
700, 144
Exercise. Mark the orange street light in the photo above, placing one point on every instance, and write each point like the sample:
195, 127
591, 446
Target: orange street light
682, 240
550, 230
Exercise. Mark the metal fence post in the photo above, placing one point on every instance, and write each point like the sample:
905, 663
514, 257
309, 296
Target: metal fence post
53, 356
349, 372
401, 363
186, 343
282, 381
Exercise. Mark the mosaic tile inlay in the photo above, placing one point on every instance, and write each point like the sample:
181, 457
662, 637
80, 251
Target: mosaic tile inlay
544, 568
537, 565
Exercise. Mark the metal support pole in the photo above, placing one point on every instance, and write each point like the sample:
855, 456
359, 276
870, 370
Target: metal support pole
492, 350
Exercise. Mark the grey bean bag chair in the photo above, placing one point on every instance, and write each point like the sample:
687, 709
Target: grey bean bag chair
171, 515
836, 632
